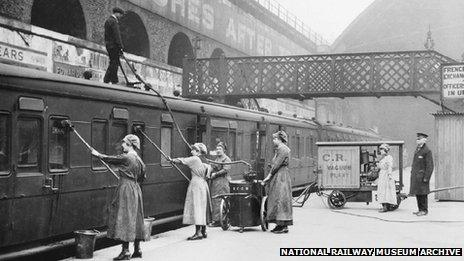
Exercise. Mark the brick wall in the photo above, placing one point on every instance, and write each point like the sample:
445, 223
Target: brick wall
160, 30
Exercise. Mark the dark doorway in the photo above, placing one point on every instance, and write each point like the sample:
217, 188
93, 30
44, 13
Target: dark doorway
62, 16
134, 35
216, 64
217, 52
179, 48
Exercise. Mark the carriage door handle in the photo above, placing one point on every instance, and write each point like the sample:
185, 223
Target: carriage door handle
48, 184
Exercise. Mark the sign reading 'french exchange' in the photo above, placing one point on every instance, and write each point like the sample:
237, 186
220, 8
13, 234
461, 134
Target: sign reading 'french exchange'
453, 81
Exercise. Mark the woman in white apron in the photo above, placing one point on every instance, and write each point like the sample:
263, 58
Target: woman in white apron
196, 200
386, 190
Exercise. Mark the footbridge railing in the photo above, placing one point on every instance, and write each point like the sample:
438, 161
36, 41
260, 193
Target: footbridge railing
327, 75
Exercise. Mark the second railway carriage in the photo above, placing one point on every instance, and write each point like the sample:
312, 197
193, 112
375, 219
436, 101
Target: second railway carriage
51, 186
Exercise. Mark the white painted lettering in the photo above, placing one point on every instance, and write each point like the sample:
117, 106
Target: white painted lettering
230, 32
208, 17
180, 4
260, 44
193, 11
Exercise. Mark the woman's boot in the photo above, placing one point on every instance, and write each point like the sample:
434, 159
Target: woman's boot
125, 254
137, 252
203, 231
384, 208
197, 234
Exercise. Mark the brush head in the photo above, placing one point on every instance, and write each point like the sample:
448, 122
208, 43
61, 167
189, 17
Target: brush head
148, 87
67, 124
137, 129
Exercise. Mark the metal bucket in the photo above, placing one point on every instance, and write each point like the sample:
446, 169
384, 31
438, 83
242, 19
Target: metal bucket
148, 224
85, 243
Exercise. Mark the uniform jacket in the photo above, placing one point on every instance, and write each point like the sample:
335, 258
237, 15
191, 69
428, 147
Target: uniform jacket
279, 204
422, 168
112, 34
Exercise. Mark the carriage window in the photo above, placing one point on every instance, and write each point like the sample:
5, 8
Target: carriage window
231, 145
117, 132
29, 142
218, 136
313, 146
253, 146
297, 147
166, 135
5, 138
190, 135
239, 147
262, 144
99, 140
58, 146
308, 147
293, 147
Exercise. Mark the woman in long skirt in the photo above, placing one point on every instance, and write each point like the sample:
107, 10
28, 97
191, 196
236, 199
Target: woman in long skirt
125, 221
197, 198
386, 189
279, 204
219, 180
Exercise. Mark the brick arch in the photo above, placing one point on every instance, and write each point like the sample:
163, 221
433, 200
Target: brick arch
134, 35
62, 16
179, 48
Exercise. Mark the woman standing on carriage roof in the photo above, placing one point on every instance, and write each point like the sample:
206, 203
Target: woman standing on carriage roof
197, 198
125, 219
279, 204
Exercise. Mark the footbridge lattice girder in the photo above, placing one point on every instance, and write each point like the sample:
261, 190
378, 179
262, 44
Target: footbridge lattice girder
301, 77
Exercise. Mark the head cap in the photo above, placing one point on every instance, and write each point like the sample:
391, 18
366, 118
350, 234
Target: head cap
200, 147
385, 146
118, 10
133, 140
222, 145
422, 135
281, 135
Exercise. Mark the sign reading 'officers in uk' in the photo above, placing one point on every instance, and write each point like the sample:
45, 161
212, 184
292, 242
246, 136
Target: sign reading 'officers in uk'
453, 81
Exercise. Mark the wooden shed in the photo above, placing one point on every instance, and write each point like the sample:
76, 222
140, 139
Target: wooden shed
449, 155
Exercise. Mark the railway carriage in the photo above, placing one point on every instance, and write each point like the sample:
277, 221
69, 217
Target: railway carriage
51, 186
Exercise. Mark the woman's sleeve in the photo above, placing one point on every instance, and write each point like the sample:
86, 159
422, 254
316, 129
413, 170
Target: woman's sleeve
114, 160
281, 157
188, 161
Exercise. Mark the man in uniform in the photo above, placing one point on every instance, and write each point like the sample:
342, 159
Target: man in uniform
421, 170
113, 44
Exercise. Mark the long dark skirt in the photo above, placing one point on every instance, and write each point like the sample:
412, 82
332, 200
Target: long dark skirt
125, 220
219, 186
279, 204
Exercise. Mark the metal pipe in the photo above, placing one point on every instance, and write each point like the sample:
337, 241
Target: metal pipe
69, 242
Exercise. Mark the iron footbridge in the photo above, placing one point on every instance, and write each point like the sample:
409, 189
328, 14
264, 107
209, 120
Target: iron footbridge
410, 73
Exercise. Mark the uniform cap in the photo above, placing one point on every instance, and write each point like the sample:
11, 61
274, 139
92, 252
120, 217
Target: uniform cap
118, 10
420, 134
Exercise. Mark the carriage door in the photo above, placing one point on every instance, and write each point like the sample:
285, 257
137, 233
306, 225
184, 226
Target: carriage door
33, 187
263, 144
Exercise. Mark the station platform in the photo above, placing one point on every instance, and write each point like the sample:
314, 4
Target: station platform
317, 226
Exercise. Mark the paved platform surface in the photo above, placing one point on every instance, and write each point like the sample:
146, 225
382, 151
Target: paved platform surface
315, 225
